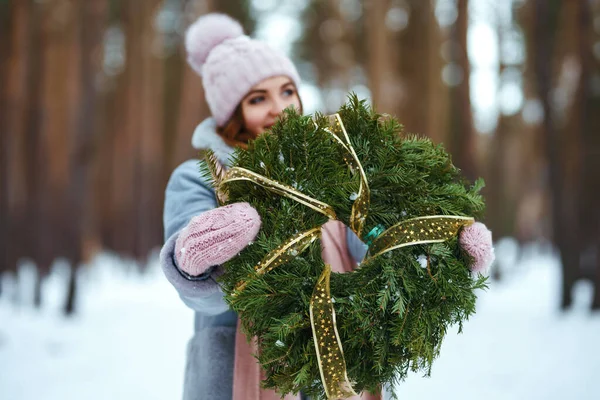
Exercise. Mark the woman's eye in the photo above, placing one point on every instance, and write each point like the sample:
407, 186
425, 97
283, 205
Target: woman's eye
288, 92
256, 100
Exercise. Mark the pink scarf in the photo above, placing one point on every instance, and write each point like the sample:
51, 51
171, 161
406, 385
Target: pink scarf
246, 372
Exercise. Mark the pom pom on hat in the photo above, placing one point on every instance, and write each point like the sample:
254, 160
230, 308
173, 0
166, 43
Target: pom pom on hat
476, 240
206, 33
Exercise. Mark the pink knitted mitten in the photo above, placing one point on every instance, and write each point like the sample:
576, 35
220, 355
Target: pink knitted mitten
476, 239
215, 236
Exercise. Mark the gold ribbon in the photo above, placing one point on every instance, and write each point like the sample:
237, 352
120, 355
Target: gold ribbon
420, 230
360, 207
242, 174
429, 229
217, 172
282, 254
328, 346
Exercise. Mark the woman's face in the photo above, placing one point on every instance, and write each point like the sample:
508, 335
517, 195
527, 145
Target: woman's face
266, 100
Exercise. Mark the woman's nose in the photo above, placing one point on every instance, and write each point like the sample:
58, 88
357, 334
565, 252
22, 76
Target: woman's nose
278, 106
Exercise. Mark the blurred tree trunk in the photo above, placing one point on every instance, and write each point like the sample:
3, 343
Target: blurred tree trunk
125, 114
462, 135
438, 95
33, 157
500, 207
593, 160
58, 81
414, 42
587, 123
312, 47
90, 17
532, 221
191, 106
380, 60
576, 25
332, 44
105, 165
596, 300
500, 200
6, 27
421, 97
563, 216
342, 51
150, 134
569, 123
192, 110
21, 81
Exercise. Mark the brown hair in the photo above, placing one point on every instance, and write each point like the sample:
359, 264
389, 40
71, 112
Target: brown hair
234, 132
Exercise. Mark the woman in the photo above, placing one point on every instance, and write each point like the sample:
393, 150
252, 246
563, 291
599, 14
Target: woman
247, 86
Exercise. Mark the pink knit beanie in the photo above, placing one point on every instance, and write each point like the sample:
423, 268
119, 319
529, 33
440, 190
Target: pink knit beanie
231, 63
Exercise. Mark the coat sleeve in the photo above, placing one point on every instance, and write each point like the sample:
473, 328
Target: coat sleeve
186, 196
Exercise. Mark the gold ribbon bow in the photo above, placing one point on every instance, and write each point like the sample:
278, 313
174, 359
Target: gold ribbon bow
420, 230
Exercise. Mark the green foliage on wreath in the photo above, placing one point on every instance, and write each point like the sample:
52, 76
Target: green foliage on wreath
392, 313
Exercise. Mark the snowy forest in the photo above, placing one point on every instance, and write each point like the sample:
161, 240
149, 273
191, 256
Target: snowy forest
98, 105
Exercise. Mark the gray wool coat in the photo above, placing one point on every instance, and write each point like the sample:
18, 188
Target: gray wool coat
210, 352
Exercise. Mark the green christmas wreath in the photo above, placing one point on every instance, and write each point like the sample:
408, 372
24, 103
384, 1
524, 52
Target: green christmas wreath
392, 312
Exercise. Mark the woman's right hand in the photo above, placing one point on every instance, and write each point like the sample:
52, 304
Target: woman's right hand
215, 237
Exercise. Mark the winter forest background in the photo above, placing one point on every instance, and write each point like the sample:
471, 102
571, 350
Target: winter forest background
97, 107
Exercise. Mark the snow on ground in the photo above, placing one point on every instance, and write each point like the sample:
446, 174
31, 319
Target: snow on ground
126, 342
128, 339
